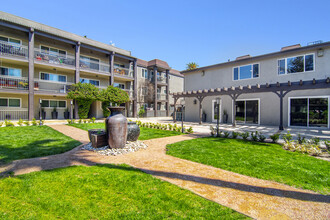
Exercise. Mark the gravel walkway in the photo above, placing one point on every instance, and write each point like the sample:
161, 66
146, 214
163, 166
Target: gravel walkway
257, 198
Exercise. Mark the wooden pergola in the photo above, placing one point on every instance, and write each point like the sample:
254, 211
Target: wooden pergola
280, 89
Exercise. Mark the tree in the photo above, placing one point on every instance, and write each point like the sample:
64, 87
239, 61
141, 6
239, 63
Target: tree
84, 94
192, 66
112, 95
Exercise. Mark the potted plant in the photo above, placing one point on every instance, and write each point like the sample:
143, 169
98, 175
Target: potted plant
225, 116
204, 115
67, 114
54, 113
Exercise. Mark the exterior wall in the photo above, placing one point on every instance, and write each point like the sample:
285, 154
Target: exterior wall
176, 85
50, 109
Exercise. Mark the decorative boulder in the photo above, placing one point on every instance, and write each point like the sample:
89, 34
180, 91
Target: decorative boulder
133, 131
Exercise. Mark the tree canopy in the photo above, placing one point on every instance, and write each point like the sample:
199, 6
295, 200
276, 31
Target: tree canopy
114, 95
191, 66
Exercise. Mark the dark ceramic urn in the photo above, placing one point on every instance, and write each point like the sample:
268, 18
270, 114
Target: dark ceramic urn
116, 127
133, 131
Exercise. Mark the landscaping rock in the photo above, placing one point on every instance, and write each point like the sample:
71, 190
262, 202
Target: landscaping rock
106, 150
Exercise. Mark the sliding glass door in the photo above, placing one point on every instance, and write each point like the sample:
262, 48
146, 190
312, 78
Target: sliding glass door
215, 111
309, 112
247, 111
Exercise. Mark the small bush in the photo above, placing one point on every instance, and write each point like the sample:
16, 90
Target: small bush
85, 121
34, 122
1, 123
234, 134
190, 130
93, 119
141, 112
212, 130
69, 121
8, 123
170, 126
275, 137
301, 139
245, 135
42, 122
308, 147
261, 137
327, 144
254, 136
80, 121
315, 140
179, 129
27, 123
287, 137
226, 134
20, 122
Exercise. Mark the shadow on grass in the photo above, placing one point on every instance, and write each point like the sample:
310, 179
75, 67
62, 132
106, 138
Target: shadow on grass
34, 149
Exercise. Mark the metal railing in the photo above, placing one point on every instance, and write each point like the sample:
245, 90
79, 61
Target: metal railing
123, 71
161, 113
161, 96
161, 79
14, 114
43, 56
12, 49
53, 87
94, 66
14, 82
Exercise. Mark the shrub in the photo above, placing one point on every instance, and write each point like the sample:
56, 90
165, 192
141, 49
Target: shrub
93, 119
308, 147
27, 123
164, 127
69, 121
141, 112
275, 137
80, 121
190, 130
8, 123
327, 144
42, 122
105, 109
245, 135
85, 121
174, 127
178, 129
20, 122
34, 122
261, 137
234, 134
254, 136
170, 126
226, 134
316, 140
1, 123
301, 139
287, 137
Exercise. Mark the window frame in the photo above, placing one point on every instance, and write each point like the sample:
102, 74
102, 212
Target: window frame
57, 100
20, 102
119, 84
308, 97
251, 64
91, 79
251, 99
286, 64
66, 53
12, 38
66, 78
8, 72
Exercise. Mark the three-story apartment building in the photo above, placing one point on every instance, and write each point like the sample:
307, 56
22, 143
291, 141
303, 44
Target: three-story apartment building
302, 72
38, 63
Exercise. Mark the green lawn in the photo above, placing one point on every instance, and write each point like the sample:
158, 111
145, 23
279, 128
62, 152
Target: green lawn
145, 133
102, 192
261, 160
33, 141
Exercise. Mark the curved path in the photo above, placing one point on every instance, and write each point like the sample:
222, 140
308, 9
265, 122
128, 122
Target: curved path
257, 198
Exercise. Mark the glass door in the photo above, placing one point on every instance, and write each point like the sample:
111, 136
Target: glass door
247, 111
215, 111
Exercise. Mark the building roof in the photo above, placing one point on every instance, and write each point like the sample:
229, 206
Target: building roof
6, 17
284, 50
159, 63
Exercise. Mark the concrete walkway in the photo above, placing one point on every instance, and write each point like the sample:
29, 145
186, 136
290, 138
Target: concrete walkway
257, 198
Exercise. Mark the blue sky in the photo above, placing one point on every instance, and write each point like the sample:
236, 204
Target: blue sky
182, 31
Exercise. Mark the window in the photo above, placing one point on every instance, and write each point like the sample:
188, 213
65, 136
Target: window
119, 85
144, 90
89, 62
246, 72
298, 64
91, 81
53, 104
52, 77
52, 51
10, 102
247, 111
309, 112
10, 40
5, 71
145, 73
119, 65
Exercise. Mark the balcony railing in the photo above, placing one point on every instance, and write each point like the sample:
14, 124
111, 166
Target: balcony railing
161, 96
51, 86
123, 71
42, 56
161, 113
14, 114
161, 79
12, 49
94, 66
130, 93
14, 82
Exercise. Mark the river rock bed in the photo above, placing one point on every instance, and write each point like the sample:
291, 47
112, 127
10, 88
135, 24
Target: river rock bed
107, 151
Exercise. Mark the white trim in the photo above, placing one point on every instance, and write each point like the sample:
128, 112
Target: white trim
11, 38
214, 101
286, 64
66, 78
249, 99
20, 102
251, 72
307, 97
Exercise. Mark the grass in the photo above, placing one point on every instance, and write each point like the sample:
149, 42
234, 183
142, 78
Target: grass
145, 133
32, 141
261, 160
102, 192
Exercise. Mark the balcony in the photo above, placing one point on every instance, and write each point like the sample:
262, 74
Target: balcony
94, 66
161, 79
130, 93
123, 72
45, 57
51, 87
161, 113
14, 82
13, 114
15, 50
161, 96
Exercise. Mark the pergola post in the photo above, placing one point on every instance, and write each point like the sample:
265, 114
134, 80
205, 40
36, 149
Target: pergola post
281, 95
174, 111
234, 97
200, 99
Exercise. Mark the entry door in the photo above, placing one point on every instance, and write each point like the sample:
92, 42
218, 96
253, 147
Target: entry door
215, 111
247, 111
